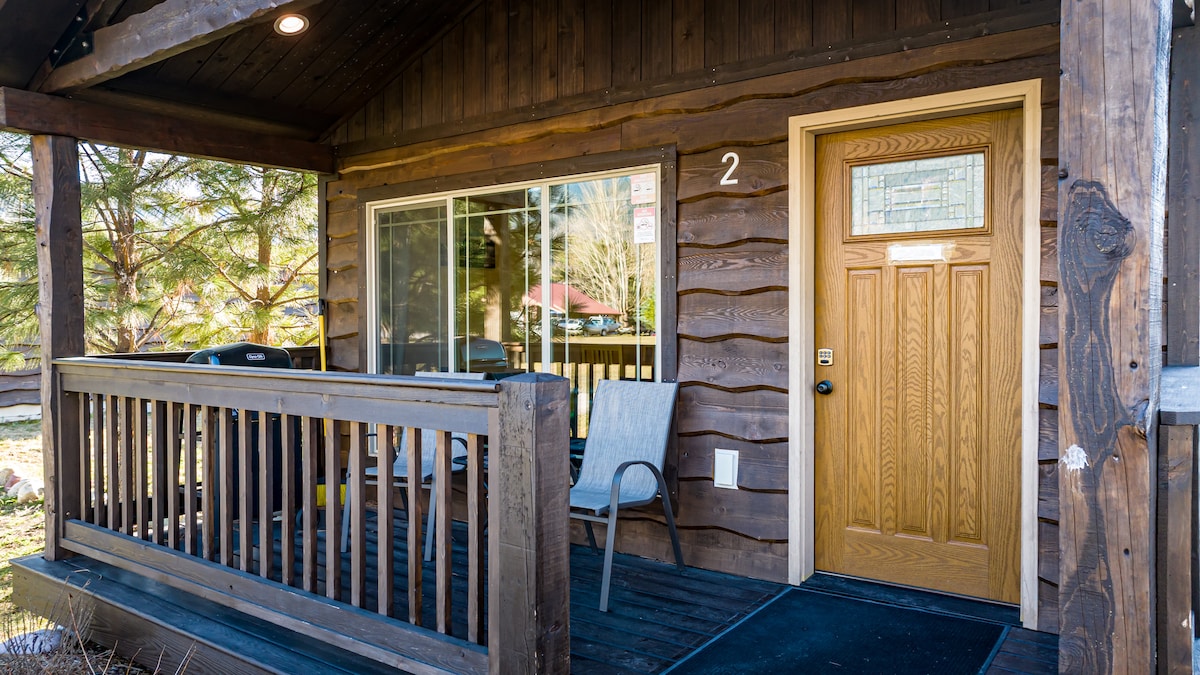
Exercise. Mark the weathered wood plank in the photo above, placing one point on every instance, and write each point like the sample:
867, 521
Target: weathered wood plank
1112, 137
761, 466
528, 541
748, 268
761, 315
725, 220
1183, 203
1177, 449
761, 169
759, 416
59, 231
738, 363
687, 35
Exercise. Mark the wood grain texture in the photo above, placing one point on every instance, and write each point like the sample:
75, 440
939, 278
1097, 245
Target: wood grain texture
738, 363
59, 231
1112, 135
761, 466
1173, 609
748, 268
1183, 204
528, 543
706, 315
759, 515
759, 416
761, 169
725, 220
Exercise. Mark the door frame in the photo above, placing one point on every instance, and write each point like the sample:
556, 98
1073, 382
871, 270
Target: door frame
802, 133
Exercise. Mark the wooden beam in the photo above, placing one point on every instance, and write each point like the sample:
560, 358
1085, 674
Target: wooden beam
1112, 148
164, 30
34, 113
59, 225
1183, 202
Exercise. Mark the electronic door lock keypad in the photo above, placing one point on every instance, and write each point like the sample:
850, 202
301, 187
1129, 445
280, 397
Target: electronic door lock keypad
824, 357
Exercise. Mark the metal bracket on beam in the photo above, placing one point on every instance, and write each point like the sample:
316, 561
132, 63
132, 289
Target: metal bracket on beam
75, 43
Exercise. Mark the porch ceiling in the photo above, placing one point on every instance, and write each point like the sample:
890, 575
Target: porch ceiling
219, 62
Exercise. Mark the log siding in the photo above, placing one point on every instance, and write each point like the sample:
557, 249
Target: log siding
731, 240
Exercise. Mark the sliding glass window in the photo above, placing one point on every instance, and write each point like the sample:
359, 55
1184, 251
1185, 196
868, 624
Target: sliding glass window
472, 281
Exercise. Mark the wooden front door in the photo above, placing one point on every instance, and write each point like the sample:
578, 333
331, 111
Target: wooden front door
918, 297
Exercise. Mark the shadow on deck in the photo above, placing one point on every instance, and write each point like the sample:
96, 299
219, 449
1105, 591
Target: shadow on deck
657, 616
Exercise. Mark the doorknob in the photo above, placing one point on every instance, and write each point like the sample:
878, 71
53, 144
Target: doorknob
825, 387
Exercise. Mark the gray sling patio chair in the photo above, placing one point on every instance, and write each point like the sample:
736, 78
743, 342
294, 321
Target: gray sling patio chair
458, 449
623, 461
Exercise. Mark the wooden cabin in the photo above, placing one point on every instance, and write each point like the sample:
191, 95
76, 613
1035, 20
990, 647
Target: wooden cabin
906, 260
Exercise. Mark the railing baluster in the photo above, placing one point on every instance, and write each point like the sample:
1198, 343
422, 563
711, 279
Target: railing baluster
174, 411
356, 488
414, 525
445, 516
158, 487
310, 428
127, 462
189, 478
266, 495
208, 482
245, 484
228, 508
476, 513
385, 449
287, 529
333, 515
113, 474
87, 486
141, 478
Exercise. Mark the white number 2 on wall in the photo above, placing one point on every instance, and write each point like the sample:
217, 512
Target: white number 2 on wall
728, 178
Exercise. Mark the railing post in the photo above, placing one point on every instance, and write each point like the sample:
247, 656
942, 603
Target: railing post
60, 315
528, 541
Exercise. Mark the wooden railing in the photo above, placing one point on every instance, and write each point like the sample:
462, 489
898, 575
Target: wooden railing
210, 479
584, 364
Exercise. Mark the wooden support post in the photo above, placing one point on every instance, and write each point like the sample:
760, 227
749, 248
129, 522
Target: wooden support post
528, 542
1112, 145
60, 315
1183, 202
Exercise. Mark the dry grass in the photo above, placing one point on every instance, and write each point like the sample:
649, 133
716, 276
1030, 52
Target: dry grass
22, 527
22, 532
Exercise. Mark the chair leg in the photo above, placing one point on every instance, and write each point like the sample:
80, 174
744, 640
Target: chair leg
610, 540
345, 513
666, 500
591, 536
430, 519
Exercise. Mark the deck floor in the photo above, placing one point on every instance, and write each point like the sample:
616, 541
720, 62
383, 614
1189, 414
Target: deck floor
658, 616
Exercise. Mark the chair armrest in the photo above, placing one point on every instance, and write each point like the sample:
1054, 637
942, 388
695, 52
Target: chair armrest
615, 495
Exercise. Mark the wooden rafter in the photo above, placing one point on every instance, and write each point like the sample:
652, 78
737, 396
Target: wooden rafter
42, 114
167, 29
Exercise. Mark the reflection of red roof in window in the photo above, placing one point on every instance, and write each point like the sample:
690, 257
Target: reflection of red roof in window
577, 302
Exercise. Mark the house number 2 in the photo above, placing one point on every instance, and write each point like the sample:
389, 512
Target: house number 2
733, 159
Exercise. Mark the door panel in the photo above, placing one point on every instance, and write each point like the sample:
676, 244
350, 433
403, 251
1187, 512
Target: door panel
918, 446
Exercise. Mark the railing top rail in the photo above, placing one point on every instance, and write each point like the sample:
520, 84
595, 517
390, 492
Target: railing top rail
450, 404
1179, 390
364, 379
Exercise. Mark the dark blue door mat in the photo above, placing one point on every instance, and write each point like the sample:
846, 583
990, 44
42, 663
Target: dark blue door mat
822, 629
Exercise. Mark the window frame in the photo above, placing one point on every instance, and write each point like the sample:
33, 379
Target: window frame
447, 188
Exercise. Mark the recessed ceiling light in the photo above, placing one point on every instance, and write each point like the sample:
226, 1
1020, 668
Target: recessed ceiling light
291, 24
